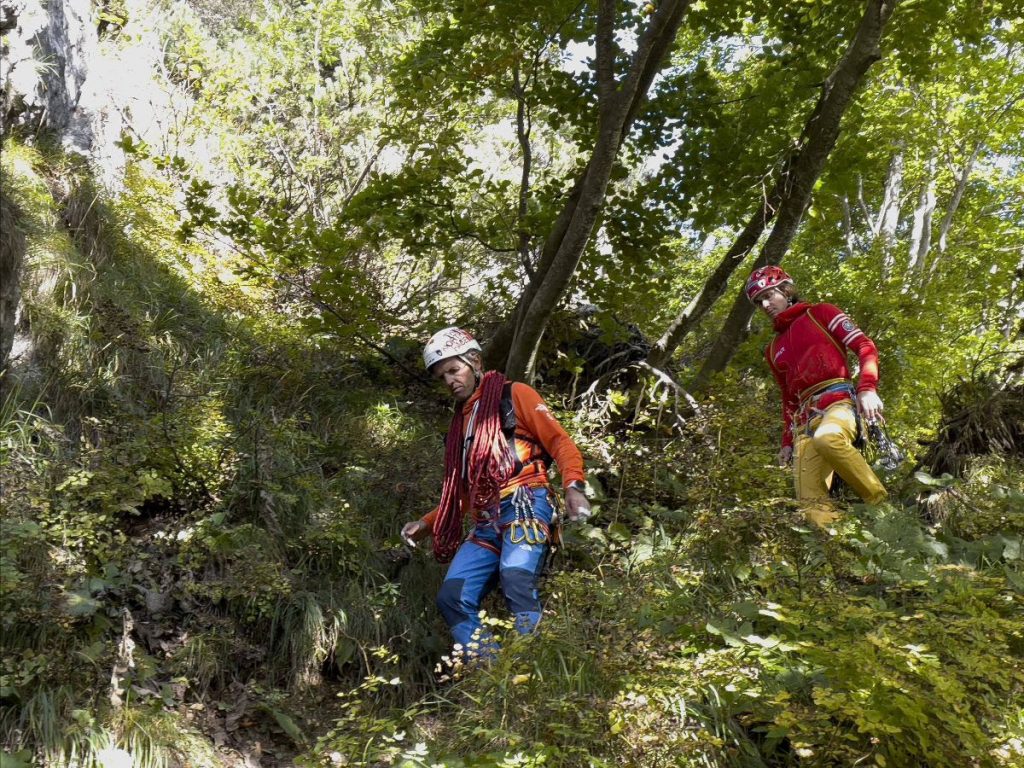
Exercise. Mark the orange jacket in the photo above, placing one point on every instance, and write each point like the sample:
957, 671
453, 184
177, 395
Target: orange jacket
537, 432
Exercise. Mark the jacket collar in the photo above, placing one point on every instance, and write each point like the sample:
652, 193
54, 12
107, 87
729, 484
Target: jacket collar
786, 317
467, 405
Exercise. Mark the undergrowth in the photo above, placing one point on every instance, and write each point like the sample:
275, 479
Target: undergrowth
200, 554
195, 535
882, 642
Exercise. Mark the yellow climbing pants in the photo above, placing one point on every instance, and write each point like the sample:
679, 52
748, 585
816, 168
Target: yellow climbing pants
824, 446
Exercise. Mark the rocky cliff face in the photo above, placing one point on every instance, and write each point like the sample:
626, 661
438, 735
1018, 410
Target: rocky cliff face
49, 49
60, 78
46, 54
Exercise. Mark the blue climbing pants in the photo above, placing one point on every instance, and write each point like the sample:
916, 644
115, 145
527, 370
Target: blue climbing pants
493, 554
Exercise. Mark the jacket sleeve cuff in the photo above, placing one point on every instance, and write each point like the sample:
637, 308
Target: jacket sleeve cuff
429, 519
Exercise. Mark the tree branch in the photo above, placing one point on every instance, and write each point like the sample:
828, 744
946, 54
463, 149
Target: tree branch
820, 134
523, 128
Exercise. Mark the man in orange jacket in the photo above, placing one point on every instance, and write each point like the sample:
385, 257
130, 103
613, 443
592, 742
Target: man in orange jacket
819, 400
500, 444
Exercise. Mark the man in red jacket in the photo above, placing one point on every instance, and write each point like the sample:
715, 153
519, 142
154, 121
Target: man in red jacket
808, 358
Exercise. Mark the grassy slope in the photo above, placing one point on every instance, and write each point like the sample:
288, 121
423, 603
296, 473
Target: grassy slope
199, 563
181, 459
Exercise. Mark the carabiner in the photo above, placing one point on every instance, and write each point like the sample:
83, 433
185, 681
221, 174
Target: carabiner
530, 532
540, 536
513, 527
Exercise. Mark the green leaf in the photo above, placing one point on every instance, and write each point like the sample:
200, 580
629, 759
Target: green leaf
924, 478
1011, 549
642, 553
80, 604
1014, 578
742, 572
619, 532
764, 642
22, 759
728, 636
288, 726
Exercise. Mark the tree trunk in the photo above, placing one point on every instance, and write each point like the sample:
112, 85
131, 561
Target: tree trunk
921, 232
848, 236
821, 133
523, 129
514, 345
716, 283
863, 204
889, 213
1013, 318
958, 195
954, 203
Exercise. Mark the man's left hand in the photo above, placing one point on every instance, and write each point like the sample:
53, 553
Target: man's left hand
870, 405
577, 508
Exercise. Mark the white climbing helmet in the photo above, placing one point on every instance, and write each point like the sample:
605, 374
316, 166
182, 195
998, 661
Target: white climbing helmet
448, 342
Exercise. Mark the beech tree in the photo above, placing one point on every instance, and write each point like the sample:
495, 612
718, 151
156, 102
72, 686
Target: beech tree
791, 193
530, 157
797, 183
618, 101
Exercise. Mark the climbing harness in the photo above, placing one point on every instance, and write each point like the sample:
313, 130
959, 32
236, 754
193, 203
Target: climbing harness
811, 415
889, 454
538, 456
808, 412
467, 441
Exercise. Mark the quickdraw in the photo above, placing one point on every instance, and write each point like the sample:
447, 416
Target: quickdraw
889, 454
526, 527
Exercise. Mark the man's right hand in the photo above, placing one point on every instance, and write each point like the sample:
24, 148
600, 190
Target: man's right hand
414, 531
785, 455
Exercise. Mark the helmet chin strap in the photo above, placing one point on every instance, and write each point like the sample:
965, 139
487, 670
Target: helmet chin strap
790, 300
477, 373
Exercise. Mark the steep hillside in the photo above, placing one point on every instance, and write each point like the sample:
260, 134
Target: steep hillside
226, 230
200, 564
195, 493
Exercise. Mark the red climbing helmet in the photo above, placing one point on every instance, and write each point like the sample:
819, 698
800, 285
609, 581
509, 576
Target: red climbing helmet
763, 278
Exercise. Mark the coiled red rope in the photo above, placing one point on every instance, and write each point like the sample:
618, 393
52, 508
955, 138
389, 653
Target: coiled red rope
489, 466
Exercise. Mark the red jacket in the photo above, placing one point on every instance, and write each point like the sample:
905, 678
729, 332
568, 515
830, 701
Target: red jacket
810, 347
